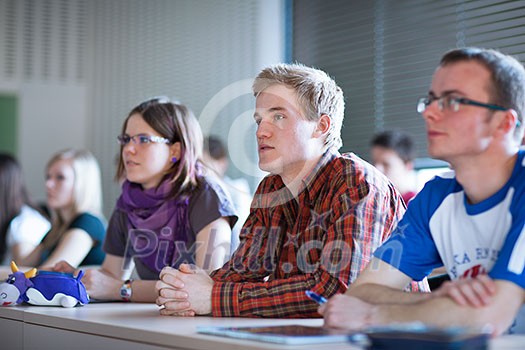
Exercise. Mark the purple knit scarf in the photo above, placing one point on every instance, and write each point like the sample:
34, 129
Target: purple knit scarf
158, 226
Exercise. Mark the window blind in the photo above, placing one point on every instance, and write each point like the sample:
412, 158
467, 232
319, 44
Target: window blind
383, 53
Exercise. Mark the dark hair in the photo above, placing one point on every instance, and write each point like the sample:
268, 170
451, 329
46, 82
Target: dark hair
215, 147
13, 196
398, 141
177, 123
507, 77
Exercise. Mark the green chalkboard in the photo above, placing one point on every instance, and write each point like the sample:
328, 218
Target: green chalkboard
8, 123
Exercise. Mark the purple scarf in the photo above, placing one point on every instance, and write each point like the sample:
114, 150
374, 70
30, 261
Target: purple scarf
158, 226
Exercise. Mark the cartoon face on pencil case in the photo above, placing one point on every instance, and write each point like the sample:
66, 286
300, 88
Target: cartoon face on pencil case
44, 288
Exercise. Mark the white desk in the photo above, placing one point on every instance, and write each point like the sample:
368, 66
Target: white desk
126, 326
139, 326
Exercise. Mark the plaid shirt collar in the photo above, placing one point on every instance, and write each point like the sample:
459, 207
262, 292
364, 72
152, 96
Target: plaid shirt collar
317, 175
276, 193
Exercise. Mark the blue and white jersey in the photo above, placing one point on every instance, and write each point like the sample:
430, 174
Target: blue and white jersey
441, 229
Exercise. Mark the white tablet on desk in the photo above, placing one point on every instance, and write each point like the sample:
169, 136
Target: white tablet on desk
285, 334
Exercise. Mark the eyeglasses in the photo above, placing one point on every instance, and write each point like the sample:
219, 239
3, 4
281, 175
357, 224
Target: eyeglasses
140, 139
451, 103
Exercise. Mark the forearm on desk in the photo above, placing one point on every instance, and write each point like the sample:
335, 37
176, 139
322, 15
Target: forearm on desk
380, 283
444, 312
143, 291
380, 294
279, 298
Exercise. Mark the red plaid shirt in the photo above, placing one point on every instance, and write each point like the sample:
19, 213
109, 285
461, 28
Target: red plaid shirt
320, 240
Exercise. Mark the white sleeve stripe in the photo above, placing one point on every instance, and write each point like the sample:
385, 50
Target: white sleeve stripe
517, 258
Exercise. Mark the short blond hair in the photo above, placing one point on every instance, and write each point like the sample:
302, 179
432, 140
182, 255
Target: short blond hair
317, 92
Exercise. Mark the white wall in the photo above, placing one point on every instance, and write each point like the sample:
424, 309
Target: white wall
42, 63
78, 67
52, 117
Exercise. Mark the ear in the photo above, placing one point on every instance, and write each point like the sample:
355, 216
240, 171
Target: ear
516, 122
409, 165
508, 122
175, 150
323, 126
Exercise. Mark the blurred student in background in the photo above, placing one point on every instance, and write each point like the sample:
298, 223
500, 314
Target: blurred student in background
74, 198
216, 157
168, 212
21, 224
393, 154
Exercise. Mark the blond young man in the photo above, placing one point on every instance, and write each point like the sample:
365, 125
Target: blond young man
315, 219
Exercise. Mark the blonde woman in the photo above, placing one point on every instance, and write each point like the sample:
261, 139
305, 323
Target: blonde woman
74, 197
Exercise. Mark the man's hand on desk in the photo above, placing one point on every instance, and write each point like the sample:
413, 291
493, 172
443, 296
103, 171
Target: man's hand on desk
475, 292
347, 312
184, 292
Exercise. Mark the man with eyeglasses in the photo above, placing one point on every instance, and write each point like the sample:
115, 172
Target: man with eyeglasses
472, 220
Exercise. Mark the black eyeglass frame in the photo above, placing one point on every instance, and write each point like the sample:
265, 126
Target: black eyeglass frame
426, 101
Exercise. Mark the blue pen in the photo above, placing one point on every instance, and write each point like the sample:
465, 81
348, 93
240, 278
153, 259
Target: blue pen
319, 299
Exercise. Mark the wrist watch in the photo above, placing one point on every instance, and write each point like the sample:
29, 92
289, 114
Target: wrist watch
125, 290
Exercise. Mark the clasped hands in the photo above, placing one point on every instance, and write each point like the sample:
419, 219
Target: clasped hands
184, 292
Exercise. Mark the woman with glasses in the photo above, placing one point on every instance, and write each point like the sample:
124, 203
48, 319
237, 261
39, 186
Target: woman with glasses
168, 212
21, 224
74, 198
